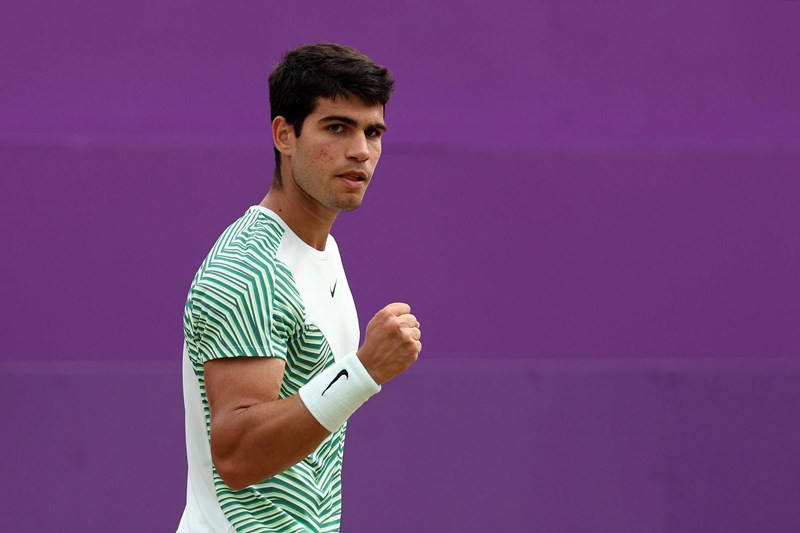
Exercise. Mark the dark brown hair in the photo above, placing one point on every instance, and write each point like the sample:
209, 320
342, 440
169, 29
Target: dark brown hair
323, 70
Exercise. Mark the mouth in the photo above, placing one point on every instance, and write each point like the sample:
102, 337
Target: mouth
353, 178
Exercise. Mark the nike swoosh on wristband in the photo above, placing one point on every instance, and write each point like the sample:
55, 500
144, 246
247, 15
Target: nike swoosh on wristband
342, 372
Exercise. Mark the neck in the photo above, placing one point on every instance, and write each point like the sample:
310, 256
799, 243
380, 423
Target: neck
307, 219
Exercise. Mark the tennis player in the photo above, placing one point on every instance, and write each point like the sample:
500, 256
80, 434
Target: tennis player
272, 367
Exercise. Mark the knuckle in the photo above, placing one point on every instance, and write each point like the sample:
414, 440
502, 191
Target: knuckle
413, 346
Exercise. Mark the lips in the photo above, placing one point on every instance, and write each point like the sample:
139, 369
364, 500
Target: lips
353, 178
353, 175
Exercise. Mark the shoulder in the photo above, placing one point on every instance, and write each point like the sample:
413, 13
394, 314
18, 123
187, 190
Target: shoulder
250, 243
244, 259
253, 237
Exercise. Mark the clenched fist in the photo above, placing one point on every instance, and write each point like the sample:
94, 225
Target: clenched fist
392, 342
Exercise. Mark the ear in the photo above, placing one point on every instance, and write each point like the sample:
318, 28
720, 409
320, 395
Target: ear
283, 136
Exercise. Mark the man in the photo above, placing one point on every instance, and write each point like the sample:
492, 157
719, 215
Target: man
272, 367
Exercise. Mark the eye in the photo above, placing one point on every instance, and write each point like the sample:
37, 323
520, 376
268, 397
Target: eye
336, 128
373, 132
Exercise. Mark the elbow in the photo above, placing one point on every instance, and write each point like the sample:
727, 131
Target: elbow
241, 463
238, 473
228, 466
231, 474
232, 479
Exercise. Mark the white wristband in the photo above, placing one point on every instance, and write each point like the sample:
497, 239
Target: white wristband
335, 393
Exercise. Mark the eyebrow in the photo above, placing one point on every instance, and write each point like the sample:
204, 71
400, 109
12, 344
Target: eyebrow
350, 122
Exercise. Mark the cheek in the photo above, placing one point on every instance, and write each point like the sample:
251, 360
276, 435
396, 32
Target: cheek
324, 156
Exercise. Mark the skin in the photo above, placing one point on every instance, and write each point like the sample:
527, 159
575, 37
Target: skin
341, 137
325, 170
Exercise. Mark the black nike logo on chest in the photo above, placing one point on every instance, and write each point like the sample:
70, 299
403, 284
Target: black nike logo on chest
333, 290
342, 372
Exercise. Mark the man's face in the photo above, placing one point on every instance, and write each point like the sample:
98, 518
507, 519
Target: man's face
333, 159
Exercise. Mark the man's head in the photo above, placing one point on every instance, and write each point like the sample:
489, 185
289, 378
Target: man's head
311, 72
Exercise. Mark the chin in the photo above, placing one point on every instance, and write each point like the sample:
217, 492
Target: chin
350, 206
347, 204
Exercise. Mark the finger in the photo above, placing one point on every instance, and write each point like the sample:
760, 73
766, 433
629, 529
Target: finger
398, 308
409, 321
415, 333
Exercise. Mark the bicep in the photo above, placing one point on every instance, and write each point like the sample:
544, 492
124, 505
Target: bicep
237, 383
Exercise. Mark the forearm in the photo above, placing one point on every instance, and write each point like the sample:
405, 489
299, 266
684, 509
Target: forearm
253, 443
252, 439
255, 436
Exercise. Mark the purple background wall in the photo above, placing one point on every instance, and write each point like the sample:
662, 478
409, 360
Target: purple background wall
592, 208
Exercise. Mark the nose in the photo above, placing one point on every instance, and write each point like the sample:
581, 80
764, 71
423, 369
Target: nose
359, 148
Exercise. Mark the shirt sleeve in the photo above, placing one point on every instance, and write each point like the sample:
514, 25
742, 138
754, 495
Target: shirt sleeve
235, 311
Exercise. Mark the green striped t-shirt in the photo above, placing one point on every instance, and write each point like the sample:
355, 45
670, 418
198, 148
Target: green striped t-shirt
263, 292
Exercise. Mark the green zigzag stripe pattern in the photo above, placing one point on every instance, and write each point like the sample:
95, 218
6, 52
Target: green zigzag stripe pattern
240, 293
